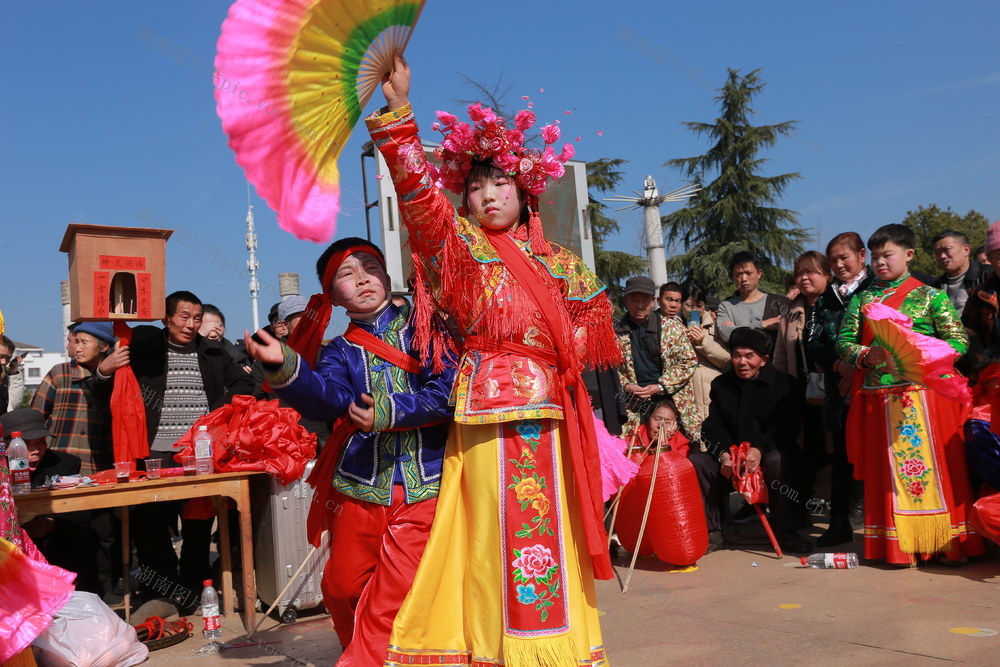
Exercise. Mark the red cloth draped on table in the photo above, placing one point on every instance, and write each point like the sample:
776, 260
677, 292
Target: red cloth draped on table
578, 414
128, 412
248, 434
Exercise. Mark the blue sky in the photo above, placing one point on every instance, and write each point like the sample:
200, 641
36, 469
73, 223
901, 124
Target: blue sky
896, 102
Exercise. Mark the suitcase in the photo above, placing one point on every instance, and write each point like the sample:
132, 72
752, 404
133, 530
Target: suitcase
281, 546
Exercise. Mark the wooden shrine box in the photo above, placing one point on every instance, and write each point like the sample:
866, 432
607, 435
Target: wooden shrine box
116, 273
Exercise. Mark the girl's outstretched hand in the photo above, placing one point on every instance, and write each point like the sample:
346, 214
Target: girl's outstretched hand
396, 84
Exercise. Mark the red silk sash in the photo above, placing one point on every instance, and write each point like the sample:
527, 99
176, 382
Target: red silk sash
321, 477
129, 437
380, 348
582, 439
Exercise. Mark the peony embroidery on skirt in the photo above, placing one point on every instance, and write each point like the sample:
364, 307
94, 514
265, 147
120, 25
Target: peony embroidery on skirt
912, 468
532, 534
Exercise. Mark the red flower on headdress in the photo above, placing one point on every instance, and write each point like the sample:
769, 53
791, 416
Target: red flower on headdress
447, 119
550, 134
524, 119
489, 139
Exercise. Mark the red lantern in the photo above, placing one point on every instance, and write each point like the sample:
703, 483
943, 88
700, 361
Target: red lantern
676, 530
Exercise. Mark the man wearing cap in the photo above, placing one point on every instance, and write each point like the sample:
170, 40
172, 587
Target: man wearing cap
980, 314
755, 402
74, 397
66, 540
275, 324
290, 311
378, 477
659, 358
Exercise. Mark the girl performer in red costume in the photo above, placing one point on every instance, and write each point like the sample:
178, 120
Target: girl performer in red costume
507, 576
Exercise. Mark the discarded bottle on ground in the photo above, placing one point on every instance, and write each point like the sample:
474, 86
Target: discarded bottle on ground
840, 561
17, 460
211, 622
203, 451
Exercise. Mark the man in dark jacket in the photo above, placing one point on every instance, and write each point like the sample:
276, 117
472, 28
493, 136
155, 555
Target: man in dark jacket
756, 403
182, 376
953, 253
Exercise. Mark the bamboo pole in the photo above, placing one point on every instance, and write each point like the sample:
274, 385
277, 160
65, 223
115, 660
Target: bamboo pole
645, 512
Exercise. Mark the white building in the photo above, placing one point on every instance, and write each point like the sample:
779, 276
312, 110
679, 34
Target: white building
37, 363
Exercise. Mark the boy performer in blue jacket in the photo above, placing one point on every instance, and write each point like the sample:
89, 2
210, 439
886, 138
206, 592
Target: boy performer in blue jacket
377, 477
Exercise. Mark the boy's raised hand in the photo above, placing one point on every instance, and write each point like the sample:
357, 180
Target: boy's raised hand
396, 84
268, 351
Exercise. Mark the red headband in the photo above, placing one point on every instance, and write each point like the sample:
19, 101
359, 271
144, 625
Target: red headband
337, 258
308, 334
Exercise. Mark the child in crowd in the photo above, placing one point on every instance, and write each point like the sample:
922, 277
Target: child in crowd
906, 442
663, 415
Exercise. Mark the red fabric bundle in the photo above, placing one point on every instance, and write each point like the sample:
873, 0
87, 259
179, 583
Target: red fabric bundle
985, 517
248, 434
676, 530
750, 486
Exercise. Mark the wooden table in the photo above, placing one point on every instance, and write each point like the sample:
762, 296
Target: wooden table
219, 486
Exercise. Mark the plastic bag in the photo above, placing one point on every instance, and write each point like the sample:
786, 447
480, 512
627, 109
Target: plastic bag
86, 633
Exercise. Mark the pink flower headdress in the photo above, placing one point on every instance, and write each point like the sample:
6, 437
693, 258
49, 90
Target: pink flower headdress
488, 139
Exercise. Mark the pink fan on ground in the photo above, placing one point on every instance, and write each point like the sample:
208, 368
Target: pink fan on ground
292, 79
918, 358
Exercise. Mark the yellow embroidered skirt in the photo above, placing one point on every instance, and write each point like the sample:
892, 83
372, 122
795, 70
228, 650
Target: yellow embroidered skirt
485, 595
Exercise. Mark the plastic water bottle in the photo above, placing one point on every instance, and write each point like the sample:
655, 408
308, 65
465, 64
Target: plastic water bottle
17, 460
211, 622
840, 561
203, 451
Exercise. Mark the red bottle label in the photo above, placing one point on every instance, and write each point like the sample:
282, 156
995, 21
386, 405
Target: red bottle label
20, 477
840, 561
211, 623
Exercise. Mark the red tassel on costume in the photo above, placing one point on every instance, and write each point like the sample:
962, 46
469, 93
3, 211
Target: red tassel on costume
539, 246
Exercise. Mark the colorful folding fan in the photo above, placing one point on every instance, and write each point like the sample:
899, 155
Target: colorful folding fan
918, 358
31, 591
292, 79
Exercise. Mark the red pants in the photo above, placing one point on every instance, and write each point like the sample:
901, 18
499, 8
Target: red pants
374, 555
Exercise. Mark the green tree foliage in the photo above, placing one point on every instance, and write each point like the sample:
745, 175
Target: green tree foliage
613, 266
926, 222
738, 210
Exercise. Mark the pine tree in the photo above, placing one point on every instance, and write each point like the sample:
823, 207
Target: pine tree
613, 266
736, 211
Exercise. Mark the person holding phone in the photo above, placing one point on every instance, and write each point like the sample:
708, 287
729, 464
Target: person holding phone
11, 377
713, 357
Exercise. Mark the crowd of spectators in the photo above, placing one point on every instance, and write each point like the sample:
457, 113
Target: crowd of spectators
713, 370
765, 368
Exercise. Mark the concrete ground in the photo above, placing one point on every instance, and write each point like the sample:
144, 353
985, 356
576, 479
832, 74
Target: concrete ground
740, 606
